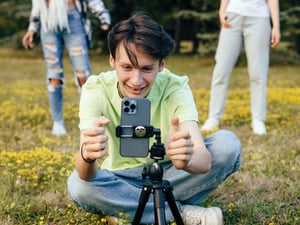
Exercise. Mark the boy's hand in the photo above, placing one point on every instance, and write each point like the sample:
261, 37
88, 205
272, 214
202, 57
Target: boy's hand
180, 146
94, 140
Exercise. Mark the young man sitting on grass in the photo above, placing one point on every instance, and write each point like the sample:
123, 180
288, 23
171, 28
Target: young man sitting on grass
105, 182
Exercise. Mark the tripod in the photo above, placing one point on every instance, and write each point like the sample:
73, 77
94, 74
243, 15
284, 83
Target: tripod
161, 189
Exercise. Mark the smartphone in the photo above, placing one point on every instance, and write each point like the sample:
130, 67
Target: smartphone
135, 122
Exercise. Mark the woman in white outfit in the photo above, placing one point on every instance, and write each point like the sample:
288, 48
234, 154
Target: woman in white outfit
244, 22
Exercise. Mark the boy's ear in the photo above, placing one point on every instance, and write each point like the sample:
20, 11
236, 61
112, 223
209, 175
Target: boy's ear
111, 61
162, 65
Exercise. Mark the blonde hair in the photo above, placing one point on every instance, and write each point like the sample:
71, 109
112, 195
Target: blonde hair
53, 16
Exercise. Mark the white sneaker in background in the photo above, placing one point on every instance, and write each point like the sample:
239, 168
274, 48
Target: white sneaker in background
196, 215
210, 124
58, 128
259, 127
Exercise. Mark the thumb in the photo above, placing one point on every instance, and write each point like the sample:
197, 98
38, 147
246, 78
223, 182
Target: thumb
175, 125
101, 121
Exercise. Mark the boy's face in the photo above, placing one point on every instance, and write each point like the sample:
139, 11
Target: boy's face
135, 81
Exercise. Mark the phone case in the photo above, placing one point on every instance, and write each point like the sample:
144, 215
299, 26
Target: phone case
135, 117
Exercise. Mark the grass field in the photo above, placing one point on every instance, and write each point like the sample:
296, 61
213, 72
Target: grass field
34, 165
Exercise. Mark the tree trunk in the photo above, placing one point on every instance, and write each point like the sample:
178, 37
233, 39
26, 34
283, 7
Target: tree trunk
178, 27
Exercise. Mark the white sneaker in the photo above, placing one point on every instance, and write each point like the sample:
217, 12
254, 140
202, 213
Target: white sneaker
259, 127
58, 128
196, 215
210, 124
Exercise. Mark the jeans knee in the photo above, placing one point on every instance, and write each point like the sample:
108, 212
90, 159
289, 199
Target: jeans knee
80, 193
54, 89
225, 148
75, 188
81, 77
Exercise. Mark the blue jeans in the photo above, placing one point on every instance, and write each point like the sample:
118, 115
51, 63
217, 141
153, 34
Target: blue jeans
112, 192
53, 46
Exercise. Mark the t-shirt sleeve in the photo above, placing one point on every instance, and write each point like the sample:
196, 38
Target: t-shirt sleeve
181, 102
90, 103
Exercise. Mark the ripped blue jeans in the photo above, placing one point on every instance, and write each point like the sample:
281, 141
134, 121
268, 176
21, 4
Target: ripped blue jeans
53, 43
112, 192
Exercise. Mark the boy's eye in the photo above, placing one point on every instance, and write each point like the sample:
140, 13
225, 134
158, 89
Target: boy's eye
127, 67
147, 69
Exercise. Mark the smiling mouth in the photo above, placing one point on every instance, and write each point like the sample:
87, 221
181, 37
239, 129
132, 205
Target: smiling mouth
136, 90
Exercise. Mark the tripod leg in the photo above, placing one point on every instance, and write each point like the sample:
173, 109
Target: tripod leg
171, 201
159, 206
147, 188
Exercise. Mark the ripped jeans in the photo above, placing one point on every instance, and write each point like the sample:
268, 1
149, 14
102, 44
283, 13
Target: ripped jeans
53, 43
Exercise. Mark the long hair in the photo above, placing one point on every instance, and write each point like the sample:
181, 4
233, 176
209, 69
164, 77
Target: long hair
53, 16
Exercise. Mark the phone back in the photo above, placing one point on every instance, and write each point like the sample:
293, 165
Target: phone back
135, 112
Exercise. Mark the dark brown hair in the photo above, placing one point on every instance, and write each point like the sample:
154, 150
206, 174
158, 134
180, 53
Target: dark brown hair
144, 33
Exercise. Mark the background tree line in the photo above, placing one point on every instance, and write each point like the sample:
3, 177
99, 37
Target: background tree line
193, 20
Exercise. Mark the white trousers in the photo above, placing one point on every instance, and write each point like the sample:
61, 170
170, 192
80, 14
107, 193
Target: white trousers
255, 34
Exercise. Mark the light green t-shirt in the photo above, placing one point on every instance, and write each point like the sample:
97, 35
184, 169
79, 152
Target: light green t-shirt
170, 95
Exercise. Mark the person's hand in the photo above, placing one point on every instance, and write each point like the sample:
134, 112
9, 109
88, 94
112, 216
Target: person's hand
104, 26
27, 40
275, 37
223, 20
94, 140
180, 146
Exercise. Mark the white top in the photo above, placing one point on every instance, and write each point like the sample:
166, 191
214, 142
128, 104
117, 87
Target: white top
256, 8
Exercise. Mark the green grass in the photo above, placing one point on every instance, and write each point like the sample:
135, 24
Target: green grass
34, 165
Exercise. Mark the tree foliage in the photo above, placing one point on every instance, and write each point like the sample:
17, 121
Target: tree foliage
195, 20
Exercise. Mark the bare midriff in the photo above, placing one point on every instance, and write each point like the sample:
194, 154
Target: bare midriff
71, 3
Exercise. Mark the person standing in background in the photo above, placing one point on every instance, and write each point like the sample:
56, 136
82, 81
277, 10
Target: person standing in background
64, 22
244, 22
